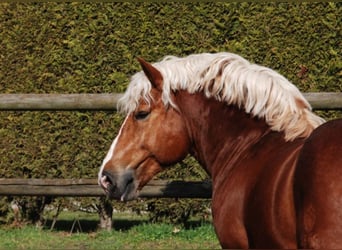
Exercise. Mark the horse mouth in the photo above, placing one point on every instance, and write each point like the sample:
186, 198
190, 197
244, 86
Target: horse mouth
130, 192
126, 185
122, 187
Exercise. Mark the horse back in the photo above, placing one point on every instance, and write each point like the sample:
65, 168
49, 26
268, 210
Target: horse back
318, 188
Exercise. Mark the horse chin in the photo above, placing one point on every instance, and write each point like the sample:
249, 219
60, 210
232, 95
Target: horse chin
130, 193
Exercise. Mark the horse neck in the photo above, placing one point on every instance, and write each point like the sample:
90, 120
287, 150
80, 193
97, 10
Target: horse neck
221, 134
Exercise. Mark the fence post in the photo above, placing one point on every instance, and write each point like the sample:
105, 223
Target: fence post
105, 211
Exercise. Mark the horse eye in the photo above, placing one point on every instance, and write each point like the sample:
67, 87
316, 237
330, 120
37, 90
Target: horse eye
141, 115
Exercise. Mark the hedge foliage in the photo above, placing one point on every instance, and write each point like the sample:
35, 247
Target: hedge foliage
92, 48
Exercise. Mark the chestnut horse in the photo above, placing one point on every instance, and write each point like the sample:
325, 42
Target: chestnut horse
276, 170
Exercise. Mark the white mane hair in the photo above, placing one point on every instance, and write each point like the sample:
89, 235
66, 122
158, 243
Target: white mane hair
229, 78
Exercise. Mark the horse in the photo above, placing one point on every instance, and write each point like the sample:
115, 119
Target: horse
276, 167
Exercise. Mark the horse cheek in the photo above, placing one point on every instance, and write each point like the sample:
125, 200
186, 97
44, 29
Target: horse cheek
177, 144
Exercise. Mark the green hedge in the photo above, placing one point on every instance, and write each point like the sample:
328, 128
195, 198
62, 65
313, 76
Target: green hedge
92, 48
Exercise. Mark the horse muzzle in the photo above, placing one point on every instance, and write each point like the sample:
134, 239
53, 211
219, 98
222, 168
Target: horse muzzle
120, 186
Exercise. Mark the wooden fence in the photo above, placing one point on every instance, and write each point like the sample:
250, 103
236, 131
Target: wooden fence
31, 102
89, 187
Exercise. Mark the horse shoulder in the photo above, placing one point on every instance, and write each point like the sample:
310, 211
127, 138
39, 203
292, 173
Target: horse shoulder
259, 197
319, 188
270, 212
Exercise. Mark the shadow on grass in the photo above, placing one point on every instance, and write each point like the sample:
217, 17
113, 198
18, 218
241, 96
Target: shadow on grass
87, 226
92, 225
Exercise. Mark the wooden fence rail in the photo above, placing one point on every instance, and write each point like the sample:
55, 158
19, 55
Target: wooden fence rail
90, 188
31, 102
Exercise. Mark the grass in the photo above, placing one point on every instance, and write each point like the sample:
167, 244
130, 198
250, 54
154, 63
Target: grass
129, 233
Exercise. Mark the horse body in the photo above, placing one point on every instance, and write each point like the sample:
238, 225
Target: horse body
274, 184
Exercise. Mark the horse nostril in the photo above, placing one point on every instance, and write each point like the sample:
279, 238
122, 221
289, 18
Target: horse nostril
108, 179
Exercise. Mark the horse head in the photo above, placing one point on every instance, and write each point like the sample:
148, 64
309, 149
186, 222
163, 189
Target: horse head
152, 137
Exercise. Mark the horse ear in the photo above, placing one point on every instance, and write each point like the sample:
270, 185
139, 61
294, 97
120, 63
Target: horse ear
152, 74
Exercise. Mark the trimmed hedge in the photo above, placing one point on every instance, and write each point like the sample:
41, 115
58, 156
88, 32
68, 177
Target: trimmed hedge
92, 48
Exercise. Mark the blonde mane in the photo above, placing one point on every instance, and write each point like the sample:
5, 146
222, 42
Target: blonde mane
230, 78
